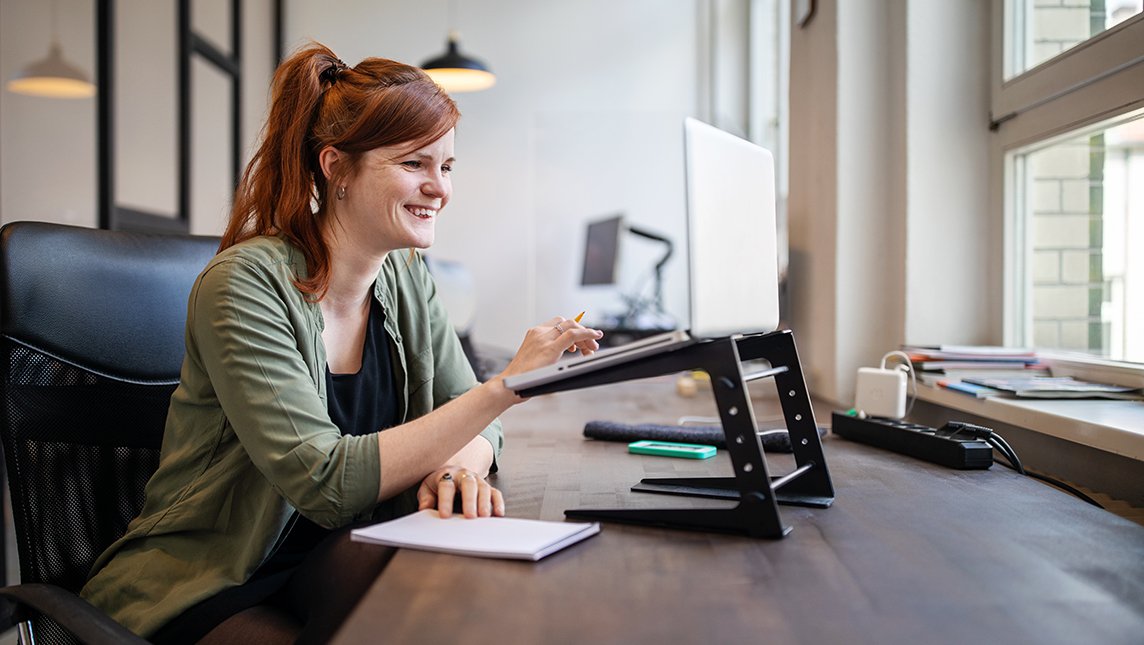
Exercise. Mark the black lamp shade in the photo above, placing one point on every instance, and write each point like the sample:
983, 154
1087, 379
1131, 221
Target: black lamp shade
455, 72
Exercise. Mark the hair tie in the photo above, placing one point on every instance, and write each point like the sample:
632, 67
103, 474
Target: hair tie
330, 74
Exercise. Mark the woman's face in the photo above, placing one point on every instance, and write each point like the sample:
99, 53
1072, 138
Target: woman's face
393, 200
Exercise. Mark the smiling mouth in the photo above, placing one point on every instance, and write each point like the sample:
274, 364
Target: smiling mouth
421, 212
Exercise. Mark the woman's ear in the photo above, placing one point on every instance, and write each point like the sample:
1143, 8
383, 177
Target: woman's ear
329, 158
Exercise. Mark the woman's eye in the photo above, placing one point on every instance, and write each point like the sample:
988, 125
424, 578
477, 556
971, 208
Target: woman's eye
446, 168
411, 164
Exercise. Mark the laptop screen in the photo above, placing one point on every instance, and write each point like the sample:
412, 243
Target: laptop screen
732, 243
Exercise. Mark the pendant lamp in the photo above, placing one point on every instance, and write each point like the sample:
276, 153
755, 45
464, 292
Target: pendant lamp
52, 76
454, 71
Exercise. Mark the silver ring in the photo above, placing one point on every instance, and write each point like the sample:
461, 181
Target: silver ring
559, 329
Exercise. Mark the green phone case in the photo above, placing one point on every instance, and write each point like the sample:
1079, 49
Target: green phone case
671, 449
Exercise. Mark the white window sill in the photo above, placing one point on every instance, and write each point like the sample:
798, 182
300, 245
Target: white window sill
1108, 425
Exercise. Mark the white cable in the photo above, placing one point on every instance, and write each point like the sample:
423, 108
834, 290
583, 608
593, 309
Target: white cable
908, 366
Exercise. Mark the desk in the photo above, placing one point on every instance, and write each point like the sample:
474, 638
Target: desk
909, 553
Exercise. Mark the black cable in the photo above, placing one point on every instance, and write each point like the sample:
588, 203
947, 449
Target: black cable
1066, 487
1009, 462
1056, 483
1011, 452
1005, 449
1013, 462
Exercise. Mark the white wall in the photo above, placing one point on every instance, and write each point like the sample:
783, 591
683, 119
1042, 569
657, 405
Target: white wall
146, 130
949, 244
889, 184
870, 117
47, 146
585, 121
813, 200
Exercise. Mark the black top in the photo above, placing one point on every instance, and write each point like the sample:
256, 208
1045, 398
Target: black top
366, 402
359, 404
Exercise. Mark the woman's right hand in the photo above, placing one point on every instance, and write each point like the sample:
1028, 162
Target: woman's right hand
544, 344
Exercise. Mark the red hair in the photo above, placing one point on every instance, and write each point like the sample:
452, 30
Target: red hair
316, 101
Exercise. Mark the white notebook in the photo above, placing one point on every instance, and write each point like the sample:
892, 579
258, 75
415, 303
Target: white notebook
485, 537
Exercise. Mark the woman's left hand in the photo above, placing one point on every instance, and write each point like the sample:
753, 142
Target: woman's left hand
478, 497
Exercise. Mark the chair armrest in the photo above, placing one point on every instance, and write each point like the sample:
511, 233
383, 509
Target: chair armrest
88, 624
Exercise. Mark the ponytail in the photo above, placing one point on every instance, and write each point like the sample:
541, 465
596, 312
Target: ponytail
316, 101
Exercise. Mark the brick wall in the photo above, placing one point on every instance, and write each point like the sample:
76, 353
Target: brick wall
1066, 202
1060, 24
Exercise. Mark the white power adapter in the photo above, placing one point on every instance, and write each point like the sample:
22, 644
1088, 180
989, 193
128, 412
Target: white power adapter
881, 392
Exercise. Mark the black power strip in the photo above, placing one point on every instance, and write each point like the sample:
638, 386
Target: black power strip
915, 440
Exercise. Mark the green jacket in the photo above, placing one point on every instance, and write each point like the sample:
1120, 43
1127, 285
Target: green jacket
248, 439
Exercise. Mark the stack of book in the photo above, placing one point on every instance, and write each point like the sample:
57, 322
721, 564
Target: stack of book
1060, 387
1003, 371
950, 366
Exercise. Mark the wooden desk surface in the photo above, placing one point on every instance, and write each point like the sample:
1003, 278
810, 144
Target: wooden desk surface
909, 553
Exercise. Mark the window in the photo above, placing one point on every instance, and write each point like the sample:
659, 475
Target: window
1068, 112
1041, 29
1083, 209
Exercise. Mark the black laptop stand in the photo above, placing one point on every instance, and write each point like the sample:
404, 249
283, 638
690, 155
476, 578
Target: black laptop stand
758, 494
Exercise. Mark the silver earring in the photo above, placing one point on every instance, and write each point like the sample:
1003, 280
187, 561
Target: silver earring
341, 192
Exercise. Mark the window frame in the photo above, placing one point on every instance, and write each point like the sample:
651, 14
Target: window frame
1094, 82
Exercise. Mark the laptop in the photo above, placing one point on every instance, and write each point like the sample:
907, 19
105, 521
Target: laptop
732, 253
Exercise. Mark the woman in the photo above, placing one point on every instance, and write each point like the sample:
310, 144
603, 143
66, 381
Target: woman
310, 332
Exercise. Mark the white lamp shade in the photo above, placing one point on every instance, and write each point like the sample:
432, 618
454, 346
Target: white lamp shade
52, 77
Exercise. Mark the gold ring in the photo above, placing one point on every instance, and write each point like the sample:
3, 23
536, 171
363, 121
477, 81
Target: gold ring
467, 475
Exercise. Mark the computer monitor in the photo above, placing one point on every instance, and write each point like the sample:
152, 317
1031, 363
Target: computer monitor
645, 311
732, 234
602, 251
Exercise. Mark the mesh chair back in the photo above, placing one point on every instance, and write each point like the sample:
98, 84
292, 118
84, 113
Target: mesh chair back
91, 339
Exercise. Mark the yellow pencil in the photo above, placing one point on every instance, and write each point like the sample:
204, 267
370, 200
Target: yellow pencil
580, 316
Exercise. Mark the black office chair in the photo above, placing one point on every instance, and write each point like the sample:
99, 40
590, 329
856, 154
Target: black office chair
91, 339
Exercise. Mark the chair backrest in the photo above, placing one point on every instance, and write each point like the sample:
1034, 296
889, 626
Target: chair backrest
92, 341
